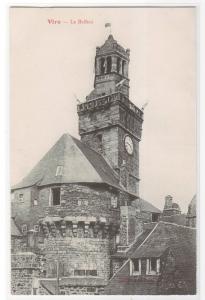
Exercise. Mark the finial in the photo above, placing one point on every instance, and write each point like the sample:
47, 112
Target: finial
108, 25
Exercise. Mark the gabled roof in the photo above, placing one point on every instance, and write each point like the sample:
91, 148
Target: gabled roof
80, 164
14, 229
147, 206
164, 236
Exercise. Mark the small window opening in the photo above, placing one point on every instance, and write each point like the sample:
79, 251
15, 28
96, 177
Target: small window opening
109, 64
24, 228
136, 265
155, 217
102, 65
118, 64
153, 264
56, 196
123, 67
21, 197
59, 171
114, 202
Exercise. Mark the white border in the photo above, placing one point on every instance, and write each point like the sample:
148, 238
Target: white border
4, 136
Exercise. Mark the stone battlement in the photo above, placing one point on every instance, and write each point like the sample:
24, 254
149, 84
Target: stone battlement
107, 100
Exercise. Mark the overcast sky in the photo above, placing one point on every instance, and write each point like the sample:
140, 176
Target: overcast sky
52, 63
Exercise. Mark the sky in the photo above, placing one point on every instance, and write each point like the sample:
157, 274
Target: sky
51, 64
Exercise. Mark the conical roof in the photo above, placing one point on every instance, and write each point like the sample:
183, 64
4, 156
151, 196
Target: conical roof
78, 164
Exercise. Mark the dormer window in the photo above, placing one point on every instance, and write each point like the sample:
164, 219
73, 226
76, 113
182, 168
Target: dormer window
59, 171
135, 267
153, 266
24, 228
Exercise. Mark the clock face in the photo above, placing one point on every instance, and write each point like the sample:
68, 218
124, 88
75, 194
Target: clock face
128, 144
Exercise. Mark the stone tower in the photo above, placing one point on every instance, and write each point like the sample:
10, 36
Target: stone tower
108, 121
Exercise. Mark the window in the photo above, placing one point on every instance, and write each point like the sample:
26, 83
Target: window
91, 289
118, 65
155, 217
82, 202
21, 197
55, 196
123, 67
35, 202
35, 291
36, 228
99, 141
135, 267
102, 66
153, 266
24, 228
85, 273
117, 239
114, 202
79, 272
59, 171
109, 64
91, 272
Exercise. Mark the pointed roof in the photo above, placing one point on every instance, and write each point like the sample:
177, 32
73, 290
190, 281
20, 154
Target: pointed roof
80, 164
147, 206
111, 45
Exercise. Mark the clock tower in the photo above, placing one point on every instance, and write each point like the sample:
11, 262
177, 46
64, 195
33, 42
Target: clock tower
108, 121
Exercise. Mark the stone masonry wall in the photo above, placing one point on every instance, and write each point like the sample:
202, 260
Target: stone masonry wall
76, 254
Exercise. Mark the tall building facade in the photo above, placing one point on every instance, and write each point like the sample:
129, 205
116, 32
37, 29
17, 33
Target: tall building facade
108, 121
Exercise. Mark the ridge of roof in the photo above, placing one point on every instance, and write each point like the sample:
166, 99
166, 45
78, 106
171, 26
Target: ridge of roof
147, 206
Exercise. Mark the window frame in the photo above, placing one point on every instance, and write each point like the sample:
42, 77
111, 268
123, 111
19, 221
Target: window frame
87, 272
114, 202
133, 272
59, 171
24, 231
51, 196
149, 270
21, 199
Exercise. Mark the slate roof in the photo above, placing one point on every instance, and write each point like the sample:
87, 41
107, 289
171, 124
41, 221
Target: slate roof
80, 164
14, 229
166, 235
140, 239
179, 219
147, 206
163, 239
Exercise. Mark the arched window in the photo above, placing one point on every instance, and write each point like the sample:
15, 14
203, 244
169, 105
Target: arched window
109, 64
102, 66
118, 64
